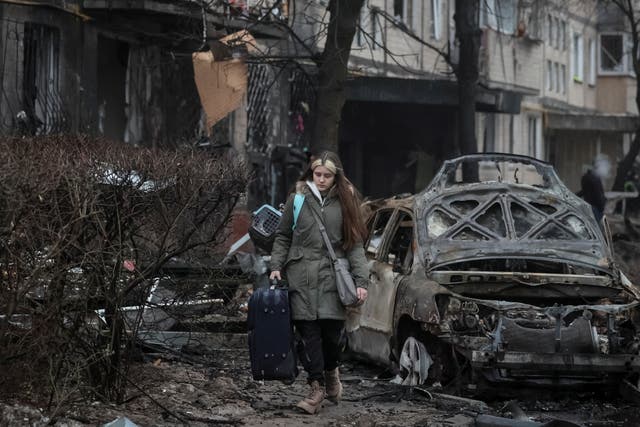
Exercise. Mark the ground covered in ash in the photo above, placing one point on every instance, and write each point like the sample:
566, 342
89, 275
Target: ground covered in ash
214, 387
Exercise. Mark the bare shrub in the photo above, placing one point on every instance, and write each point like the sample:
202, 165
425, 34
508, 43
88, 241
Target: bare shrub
74, 211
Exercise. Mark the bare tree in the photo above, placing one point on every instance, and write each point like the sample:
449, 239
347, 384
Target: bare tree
630, 11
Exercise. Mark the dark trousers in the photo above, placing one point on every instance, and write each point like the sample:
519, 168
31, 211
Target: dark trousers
320, 346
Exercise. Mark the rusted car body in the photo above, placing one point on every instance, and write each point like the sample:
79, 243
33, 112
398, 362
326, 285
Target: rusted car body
497, 268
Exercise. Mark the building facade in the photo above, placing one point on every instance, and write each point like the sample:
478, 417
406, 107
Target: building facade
555, 84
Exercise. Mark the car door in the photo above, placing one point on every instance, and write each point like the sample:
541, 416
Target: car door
388, 252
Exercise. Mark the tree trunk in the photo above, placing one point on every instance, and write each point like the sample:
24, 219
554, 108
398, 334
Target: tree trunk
629, 11
467, 73
343, 19
626, 164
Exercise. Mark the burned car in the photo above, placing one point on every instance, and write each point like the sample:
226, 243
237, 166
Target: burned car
499, 271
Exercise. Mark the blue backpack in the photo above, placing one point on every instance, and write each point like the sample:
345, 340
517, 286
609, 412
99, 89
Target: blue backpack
298, 201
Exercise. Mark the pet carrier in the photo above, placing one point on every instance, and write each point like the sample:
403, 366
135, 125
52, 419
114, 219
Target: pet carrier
264, 224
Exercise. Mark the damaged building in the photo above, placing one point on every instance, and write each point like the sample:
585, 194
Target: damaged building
555, 82
118, 69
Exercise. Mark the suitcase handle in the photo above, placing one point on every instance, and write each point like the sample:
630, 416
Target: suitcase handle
279, 284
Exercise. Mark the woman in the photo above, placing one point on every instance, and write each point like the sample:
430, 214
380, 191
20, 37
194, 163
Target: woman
300, 253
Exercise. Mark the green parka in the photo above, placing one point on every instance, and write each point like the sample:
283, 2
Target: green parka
303, 258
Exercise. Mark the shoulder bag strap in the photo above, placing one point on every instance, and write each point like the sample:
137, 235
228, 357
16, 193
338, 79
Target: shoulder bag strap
325, 237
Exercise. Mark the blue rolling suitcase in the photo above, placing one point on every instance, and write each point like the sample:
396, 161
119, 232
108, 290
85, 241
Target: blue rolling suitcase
271, 341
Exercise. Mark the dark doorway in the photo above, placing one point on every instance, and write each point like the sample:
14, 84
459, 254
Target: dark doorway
112, 75
392, 148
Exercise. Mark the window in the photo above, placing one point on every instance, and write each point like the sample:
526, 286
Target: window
549, 76
563, 79
41, 78
499, 15
376, 230
550, 29
398, 9
376, 30
416, 15
435, 19
612, 54
407, 11
360, 36
534, 140
400, 247
592, 62
554, 33
577, 61
556, 69
563, 38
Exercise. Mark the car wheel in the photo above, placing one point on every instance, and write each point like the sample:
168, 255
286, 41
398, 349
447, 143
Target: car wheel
414, 362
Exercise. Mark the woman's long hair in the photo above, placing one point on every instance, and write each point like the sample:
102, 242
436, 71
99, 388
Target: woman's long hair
354, 230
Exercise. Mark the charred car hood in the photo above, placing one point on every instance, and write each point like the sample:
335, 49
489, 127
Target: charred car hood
499, 220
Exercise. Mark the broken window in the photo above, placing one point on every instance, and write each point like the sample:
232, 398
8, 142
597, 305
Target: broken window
400, 248
612, 53
376, 230
42, 103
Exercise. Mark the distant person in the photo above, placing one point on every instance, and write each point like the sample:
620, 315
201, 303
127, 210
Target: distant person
592, 190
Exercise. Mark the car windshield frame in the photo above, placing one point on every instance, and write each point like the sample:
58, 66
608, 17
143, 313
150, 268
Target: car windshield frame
508, 169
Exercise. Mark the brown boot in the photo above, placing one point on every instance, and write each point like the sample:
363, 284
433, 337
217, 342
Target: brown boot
334, 386
313, 402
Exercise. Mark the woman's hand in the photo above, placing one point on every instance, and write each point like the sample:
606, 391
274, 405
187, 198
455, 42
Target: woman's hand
275, 275
362, 294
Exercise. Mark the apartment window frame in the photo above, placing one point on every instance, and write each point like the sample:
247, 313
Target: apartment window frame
494, 14
436, 19
360, 34
550, 83
557, 82
376, 30
577, 57
626, 65
563, 79
593, 60
408, 12
535, 146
